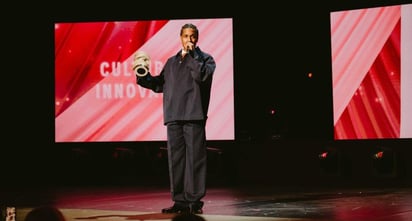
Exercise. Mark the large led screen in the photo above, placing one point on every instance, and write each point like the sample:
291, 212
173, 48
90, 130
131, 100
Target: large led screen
96, 95
372, 72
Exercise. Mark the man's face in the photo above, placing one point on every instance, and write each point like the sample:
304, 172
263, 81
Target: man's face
188, 38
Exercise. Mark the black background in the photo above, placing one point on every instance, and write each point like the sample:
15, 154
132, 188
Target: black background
276, 45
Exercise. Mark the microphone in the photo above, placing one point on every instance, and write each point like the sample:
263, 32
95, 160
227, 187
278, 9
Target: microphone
189, 46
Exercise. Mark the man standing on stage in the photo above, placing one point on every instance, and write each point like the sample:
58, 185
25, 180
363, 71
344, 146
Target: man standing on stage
185, 81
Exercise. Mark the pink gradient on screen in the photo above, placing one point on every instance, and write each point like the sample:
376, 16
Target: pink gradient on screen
368, 73
96, 95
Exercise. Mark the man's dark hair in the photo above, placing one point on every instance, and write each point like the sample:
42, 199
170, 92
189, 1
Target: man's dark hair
192, 26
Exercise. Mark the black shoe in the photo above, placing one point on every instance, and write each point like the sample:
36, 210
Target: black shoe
196, 208
176, 209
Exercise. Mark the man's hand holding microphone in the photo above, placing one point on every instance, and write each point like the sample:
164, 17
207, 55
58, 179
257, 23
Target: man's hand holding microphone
189, 48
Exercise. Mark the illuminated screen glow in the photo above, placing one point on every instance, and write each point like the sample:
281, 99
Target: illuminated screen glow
96, 95
372, 72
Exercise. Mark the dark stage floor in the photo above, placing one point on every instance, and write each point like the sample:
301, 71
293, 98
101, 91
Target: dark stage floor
248, 182
221, 203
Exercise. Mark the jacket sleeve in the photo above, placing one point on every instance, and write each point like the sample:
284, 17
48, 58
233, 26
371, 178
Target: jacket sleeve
203, 66
154, 83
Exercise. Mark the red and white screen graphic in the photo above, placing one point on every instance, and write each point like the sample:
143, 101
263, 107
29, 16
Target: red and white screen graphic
372, 72
96, 95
